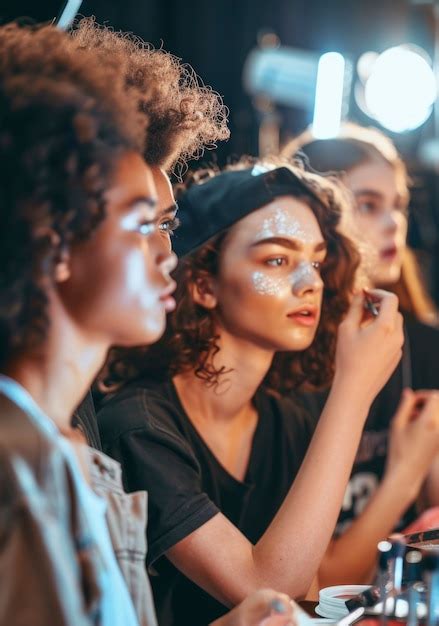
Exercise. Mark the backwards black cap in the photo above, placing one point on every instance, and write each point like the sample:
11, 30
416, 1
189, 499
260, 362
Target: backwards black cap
208, 208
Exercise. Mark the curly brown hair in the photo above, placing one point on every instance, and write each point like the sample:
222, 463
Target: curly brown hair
66, 118
191, 340
184, 115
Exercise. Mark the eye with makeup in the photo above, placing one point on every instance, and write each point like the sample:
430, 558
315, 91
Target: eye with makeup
166, 226
367, 206
317, 265
277, 261
169, 225
281, 261
372, 206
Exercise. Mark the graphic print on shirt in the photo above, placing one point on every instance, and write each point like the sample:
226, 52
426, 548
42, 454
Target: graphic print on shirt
367, 472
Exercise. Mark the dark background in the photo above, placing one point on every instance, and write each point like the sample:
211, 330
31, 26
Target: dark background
215, 37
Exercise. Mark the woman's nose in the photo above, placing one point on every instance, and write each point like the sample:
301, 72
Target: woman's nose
306, 279
169, 262
389, 221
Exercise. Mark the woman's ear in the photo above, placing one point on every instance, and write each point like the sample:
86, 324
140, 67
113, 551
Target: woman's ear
203, 291
62, 255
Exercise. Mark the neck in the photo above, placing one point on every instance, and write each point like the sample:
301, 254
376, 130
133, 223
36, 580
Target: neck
246, 366
60, 372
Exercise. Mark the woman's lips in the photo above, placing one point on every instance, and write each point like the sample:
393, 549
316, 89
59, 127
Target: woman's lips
389, 254
166, 297
169, 303
305, 316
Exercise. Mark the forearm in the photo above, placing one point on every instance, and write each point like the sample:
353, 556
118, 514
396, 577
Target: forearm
289, 554
351, 557
431, 486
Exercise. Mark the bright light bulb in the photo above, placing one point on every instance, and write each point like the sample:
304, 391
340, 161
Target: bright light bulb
401, 89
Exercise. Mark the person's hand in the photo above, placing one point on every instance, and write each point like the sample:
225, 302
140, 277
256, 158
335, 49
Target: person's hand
369, 348
261, 608
414, 437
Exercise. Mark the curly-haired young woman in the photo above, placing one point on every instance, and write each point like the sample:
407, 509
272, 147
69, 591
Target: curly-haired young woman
76, 199
201, 422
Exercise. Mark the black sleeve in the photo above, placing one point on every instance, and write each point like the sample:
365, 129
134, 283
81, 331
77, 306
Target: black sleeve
424, 353
157, 458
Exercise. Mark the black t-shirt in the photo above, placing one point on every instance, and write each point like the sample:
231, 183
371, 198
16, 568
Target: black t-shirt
418, 369
145, 427
84, 418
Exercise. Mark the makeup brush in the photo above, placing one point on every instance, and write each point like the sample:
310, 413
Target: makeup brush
369, 305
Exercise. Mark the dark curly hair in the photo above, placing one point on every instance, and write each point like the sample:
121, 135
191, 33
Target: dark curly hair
184, 115
191, 342
65, 118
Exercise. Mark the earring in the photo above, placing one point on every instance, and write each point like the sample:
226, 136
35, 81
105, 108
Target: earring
62, 268
62, 272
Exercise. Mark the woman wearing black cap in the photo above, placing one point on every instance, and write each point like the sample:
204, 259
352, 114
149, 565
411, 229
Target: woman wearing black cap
201, 423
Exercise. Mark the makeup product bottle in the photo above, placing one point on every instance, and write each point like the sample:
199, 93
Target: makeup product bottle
430, 563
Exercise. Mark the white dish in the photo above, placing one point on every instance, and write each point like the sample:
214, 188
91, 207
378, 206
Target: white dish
331, 605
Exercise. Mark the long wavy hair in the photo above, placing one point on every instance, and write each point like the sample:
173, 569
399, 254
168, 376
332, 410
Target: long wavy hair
191, 340
356, 146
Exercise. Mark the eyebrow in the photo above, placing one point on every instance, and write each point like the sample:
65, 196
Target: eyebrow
368, 192
291, 244
170, 210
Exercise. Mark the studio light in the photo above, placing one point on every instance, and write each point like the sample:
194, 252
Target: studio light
398, 87
317, 83
328, 103
284, 75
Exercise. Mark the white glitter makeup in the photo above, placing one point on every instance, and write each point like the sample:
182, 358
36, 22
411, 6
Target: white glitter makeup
281, 224
304, 273
267, 285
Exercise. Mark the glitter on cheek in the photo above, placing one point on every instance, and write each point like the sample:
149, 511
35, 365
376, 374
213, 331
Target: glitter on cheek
268, 286
282, 224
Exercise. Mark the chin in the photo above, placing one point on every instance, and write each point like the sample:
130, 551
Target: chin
144, 336
296, 344
387, 277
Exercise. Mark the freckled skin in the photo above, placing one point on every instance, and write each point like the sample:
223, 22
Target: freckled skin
259, 314
379, 217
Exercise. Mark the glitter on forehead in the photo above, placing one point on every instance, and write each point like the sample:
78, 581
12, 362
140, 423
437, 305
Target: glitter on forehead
282, 224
